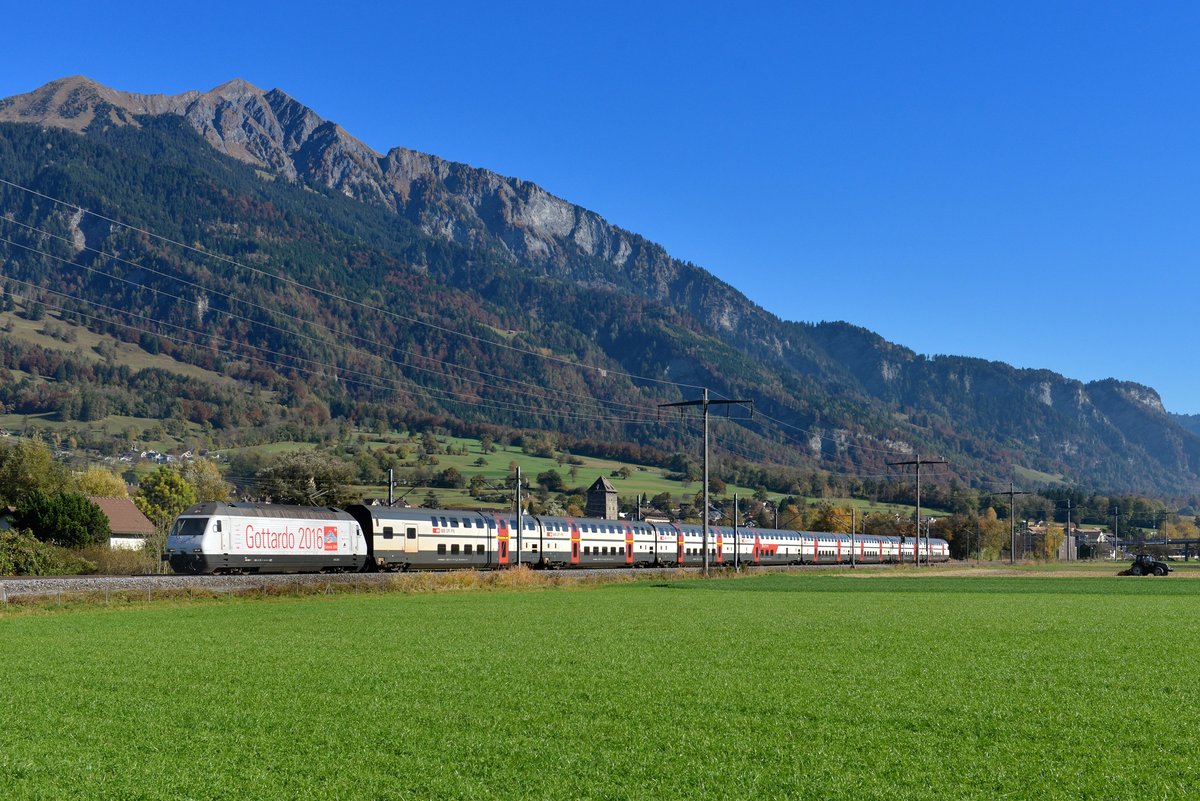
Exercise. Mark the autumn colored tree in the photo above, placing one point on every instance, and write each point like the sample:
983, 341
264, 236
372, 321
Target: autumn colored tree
205, 478
831, 518
26, 466
308, 478
993, 534
98, 482
163, 495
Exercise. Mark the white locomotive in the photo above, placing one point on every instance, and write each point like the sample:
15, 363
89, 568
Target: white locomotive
216, 537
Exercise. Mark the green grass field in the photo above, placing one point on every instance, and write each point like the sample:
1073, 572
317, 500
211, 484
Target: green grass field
877, 685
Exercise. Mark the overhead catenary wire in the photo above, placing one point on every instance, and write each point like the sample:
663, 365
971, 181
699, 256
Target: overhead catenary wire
336, 369
332, 295
599, 403
298, 284
329, 370
413, 320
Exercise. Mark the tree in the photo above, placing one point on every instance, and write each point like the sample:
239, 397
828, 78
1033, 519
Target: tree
100, 483
205, 478
551, 480
993, 534
831, 518
308, 478
450, 478
163, 495
1181, 529
27, 466
62, 518
1052, 541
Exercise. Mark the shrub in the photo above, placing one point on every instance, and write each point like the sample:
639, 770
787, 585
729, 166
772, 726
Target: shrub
22, 554
64, 518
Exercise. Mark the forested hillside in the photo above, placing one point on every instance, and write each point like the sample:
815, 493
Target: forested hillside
330, 283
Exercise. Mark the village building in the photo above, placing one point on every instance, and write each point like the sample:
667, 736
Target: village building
128, 526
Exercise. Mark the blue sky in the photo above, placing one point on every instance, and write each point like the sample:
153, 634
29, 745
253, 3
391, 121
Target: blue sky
1016, 182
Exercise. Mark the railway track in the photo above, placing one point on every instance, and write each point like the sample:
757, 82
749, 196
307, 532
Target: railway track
28, 587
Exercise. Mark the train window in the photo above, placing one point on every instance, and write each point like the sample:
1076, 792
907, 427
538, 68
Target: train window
454, 548
444, 523
454, 522
387, 532
533, 547
412, 533
467, 548
434, 519
441, 547
466, 522
217, 527
587, 549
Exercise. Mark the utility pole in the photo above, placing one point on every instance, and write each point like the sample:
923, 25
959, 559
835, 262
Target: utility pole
737, 562
391, 485
853, 525
704, 403
1070, 540
1116, 529
1012, 522
520, 514
918, 461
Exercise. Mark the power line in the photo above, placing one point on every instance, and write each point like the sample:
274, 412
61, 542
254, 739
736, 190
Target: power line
704, 402
600, 403
413, 320
336, 372
918, 462
316, 290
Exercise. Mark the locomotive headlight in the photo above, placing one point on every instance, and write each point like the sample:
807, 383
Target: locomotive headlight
195, 550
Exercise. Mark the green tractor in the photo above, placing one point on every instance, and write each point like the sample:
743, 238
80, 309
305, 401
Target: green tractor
1146, 565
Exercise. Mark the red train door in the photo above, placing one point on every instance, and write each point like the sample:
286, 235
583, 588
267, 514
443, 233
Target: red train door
628, 545
574, 541
502, 542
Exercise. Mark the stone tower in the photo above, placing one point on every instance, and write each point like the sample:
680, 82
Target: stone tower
602, 500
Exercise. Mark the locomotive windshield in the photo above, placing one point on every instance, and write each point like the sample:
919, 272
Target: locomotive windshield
189, 527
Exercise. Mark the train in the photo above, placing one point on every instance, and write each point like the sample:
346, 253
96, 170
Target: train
218, 537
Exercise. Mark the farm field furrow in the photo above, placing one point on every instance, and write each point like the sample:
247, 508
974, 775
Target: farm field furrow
780, 686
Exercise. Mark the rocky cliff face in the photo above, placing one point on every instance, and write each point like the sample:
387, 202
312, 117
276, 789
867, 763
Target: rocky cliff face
454, 201
989, 410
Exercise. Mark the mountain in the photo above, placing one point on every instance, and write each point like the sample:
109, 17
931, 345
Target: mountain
257, 176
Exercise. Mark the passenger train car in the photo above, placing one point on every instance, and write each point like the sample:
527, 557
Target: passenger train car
259, 538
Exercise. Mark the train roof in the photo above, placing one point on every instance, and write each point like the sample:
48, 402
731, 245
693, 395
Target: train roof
280, 510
